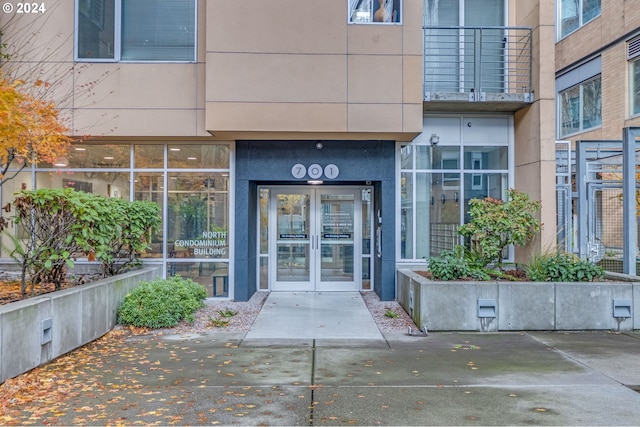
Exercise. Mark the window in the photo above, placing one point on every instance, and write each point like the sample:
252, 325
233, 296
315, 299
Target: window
573, 14
580, 107
136, 30
375, 11
633, 54
634, 84
436, 184
451, 51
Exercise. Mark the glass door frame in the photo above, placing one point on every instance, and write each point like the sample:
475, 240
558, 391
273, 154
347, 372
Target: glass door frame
313, 239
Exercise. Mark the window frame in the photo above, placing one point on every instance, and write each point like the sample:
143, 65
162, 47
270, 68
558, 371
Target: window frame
352, 7
581, 22
580, 86
633, 60
117, 39
409, 168
633, 94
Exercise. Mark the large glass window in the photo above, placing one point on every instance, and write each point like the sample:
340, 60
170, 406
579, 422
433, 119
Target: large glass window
192, 194
580, 107
375, 11
136, 30
456, 30
634, 85
573, 14
436, 184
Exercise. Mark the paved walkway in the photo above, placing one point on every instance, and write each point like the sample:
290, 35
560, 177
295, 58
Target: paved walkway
314, 315
528, 378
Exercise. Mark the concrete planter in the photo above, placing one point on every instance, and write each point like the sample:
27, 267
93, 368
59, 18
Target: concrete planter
37, 330
514, 306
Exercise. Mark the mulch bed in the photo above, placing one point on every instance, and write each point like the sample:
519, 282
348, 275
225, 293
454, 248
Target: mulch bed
514, 275
10, 289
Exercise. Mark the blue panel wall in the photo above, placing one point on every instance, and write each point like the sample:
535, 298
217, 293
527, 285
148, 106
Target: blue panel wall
270, 163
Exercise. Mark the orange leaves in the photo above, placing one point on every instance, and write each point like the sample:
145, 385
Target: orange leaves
30, 128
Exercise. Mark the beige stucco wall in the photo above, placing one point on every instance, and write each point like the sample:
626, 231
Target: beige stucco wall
535, 125
291, 69
106, 99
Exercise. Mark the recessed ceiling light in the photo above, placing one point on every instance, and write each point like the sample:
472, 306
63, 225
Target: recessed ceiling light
80, 149
174, 149
108, 157
192, 158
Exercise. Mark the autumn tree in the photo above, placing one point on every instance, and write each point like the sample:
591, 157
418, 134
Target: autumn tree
30, 129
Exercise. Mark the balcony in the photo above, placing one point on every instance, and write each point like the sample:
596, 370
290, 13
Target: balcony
477, 68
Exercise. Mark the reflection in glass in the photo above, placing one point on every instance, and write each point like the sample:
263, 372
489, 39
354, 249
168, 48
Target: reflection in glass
293, 237
491, 185
88, 156
445, 157
422, 207
198, 156
337, 237
634, 85
406, 157
148, 186
485, 158
444, 215
423, 156
366, 221
214, 276
148, 156
406, 215
21, 181
264, 221
264, 272
198, 215
366, 273
293, 262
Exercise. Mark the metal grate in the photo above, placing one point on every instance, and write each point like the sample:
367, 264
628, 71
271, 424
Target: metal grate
633, 48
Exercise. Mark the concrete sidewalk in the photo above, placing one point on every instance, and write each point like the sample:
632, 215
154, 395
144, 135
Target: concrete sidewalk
314, 315
541, 378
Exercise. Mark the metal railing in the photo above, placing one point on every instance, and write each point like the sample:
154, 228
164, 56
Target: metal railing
477, 61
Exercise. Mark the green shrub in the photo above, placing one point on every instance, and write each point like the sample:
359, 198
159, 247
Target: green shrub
61, 224
457, 263
562, 267
496, 224
162, 303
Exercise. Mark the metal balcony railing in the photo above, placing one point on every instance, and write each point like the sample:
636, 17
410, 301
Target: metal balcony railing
477, 64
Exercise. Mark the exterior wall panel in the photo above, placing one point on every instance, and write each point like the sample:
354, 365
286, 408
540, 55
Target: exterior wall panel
300, 54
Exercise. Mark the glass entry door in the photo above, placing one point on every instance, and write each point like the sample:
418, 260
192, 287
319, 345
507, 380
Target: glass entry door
315, 241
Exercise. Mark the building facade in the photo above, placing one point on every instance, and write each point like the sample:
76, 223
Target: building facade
598, 94
293, 145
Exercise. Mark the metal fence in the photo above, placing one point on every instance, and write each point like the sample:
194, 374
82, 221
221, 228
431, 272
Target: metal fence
590, 210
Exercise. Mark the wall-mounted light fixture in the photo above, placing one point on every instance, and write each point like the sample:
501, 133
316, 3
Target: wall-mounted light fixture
435, 139
319, 145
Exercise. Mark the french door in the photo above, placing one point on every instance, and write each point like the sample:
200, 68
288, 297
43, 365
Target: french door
315, 241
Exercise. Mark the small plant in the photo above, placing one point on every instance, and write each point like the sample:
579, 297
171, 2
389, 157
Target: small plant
391, 314
457, 263
162, 303
562, 267
227, 313
218, 323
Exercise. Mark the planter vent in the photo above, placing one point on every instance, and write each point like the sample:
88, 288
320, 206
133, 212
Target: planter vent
486, 308
621, 307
